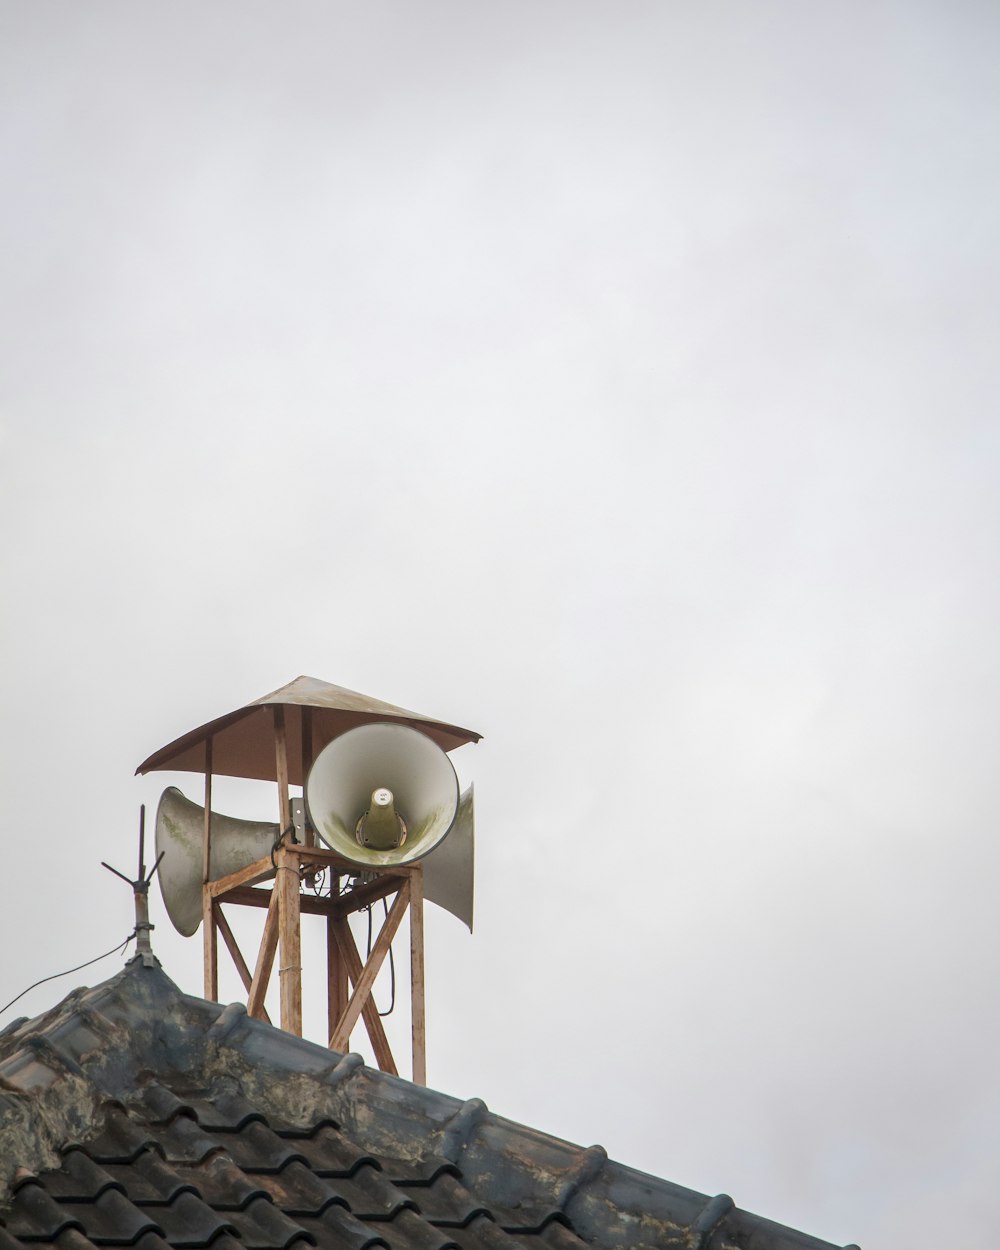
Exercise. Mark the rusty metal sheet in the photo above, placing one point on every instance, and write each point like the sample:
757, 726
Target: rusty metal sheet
243, 741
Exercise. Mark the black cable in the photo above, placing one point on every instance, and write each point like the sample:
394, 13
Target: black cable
392, 974
392, 963
55, 976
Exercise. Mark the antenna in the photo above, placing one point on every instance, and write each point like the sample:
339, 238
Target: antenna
140, 893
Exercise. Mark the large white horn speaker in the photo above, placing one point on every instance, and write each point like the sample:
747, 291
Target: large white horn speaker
449, 871
180, 835
375, 769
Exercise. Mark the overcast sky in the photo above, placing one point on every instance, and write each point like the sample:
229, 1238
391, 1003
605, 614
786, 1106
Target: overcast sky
618, 380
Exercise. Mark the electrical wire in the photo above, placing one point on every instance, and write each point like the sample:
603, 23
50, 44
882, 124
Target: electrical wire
55, 976
392, 962
392, 971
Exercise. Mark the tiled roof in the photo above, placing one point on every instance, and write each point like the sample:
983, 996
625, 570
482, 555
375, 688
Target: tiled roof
135, 1115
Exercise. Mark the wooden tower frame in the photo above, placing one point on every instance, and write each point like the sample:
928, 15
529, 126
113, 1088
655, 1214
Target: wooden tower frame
350, 980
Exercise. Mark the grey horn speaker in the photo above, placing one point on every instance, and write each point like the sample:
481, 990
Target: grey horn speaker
346, 788
180, 835
449, 870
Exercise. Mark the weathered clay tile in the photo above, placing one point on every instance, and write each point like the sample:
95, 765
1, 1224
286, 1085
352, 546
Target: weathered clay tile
189, 1221
262, 1226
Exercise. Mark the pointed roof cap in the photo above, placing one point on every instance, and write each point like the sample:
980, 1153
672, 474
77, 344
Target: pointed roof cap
243, 741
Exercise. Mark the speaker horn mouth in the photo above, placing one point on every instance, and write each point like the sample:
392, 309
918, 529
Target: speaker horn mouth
180, 831
350, 772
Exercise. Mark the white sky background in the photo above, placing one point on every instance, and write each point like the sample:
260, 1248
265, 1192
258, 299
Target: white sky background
620, 381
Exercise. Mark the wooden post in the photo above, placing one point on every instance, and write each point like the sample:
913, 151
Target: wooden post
281, 766
418, 1020
286, 886
210, 950
336, 968
306, 763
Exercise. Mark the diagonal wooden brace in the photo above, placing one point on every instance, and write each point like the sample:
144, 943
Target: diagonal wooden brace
241, 964
369, 1012
366, 979
265, 959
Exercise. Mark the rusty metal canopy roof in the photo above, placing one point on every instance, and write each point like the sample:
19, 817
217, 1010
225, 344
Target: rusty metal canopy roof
243, 741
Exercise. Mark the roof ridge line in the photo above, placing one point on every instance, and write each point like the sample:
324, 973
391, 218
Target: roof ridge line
345, 1067
587, 1165
711, 1216
459, 1129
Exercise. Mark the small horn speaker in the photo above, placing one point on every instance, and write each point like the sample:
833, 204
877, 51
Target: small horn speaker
180, 835
449, 870
377, 769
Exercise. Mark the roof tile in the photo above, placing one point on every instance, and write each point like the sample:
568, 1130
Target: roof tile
447, 1203
73, 1239
484, 1233
370, 1197
36, 1215
184, 1141
299, 1191
554, 1236
147, 1180
112, 1220
256, 1149
408, 1229
122, 1139
261, 1226
337, 1228
153, 1241
328, 1152
189, 1221
221, 1183
80, 1179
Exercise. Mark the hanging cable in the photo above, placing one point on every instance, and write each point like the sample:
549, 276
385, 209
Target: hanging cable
392, 962
392, 972
120, 947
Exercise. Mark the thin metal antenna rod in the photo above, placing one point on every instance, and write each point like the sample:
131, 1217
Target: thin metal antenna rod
140, 893
142, 841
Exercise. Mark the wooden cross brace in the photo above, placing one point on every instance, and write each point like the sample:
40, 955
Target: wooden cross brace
281, 935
